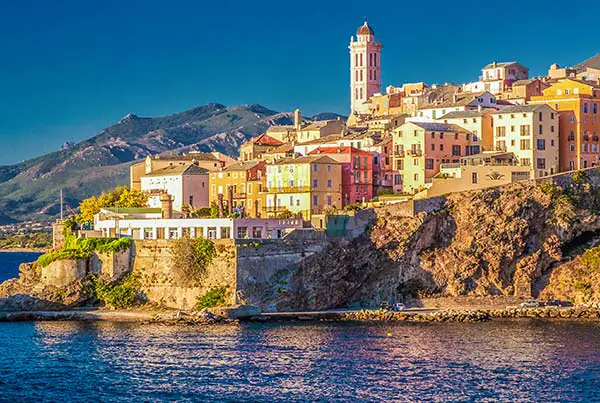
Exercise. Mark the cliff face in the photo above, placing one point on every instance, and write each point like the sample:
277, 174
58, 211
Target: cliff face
500, 241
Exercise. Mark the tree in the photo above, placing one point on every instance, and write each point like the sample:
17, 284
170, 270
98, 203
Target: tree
120, 196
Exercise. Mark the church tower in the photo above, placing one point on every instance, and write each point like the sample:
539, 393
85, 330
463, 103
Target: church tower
365, 68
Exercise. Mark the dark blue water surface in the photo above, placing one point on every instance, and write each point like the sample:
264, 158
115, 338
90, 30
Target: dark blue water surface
507, 361
10, 261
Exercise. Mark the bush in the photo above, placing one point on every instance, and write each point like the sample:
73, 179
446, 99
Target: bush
213, 297
579, 177
203, 212
550, 188
591, 259
62, 254
119, 296
103, 244
191, 257
353, 207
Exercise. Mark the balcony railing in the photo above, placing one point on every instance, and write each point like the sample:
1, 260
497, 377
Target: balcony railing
414, 153
288, 189
450, 165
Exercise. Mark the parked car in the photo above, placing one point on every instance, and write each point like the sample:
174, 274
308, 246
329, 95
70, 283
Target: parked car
530, 304
399, 307
385, 306
557, 302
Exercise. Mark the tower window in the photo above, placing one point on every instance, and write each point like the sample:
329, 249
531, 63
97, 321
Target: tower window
361, 59
370, 59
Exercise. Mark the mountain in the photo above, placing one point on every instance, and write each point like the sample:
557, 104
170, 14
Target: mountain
30, 189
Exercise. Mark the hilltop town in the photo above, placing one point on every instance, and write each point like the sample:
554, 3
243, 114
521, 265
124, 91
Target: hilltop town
411, 141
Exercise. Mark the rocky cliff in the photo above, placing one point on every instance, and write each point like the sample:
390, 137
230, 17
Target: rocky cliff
507, 241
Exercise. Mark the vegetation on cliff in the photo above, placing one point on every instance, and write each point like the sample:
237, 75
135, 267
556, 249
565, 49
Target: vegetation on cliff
216, 296
30, 240
82, 248
123, 294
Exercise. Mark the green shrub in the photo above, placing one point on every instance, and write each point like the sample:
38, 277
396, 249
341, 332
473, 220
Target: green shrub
191, 257
549, 188
203, 212
579, 177
62, 254
591, 259
103, 244
119, 296
213, 297
353, 207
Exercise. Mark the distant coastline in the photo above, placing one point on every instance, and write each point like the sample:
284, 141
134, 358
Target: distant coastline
25, 250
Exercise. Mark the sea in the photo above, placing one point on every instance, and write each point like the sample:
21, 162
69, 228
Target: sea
528, 360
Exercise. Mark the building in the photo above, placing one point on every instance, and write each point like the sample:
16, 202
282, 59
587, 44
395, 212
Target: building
365, 69
457, 102
208, 161
530, 132
240, 188
477, 172
254, 148
576, 102
419, 149
522, 90
357, 172
320, 129
186, 184
150, 224
305, 185
498, 77
479, 123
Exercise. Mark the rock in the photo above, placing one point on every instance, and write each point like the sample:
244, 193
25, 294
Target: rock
236, 312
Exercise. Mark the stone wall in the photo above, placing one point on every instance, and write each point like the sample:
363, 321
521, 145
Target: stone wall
111, 265
61, 273
152, 264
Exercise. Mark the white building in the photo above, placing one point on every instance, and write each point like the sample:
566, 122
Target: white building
365, 68
498, 77
186, 184
461, 101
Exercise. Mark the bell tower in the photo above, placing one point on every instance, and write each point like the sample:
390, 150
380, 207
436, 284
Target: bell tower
365, 68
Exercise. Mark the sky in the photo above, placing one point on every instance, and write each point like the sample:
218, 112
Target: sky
70, 68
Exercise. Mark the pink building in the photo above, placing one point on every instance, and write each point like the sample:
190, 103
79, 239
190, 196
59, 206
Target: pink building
357, 172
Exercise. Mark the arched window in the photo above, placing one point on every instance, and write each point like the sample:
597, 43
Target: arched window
361, 93
370, 59
361, 59
374, 74
361, 75
375, 59
356, 74
356, 59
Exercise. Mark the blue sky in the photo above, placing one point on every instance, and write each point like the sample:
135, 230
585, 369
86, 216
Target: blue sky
69, 68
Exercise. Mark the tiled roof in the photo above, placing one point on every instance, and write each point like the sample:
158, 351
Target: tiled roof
179, 169
500, 64
323, 140
337, 150
593, 63
316, 125
365, 29
440, 127
192, 155
242, 166
265, 140
284, 148
307, 159
464, 114
456, 99
520, 109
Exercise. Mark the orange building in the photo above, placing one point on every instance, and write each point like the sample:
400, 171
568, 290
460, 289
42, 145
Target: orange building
577, 103
241, 187
254, 149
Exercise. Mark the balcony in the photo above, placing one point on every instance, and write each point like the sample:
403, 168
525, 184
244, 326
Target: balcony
294, 189
414, 153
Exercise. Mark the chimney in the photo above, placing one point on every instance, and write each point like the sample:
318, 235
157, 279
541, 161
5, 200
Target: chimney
494, 64
166, 206
454, 98
479, 108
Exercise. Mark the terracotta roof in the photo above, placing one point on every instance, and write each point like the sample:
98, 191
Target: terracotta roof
307, 159
365, 29
179, 169
265, 140
462, 99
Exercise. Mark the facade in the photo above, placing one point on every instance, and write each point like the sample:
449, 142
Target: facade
523, 90
187, 185
577, 103
365, 69
254, 148
479, 123
478, 172
498, 77
320, 129
208, 161
530, 132
457, 102
209, 228
419, 149
304, 185
240, 187
357, 172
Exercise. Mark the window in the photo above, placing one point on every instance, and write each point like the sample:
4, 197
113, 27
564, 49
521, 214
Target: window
291, 201
571, 136
525, 145
329, 201
315, 200
441, 136
541, 163
512, 129
541, 144
399, 165
455, 136
416, 162
525, 162
328, 168
432, 147
524, 130
242, 232
571, 119
456, 149
441, 147
594, 108
429, 163
328, 183
541, 115
416, 177
500, 131
585, 108
551, 143
315, 183
397, 179
474, 177
572, 148
551, 115
540, 129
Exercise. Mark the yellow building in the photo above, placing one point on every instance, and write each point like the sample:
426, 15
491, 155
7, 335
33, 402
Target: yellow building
304, 185
479, 123
319, 129
577, 103
240, 187
530, 132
